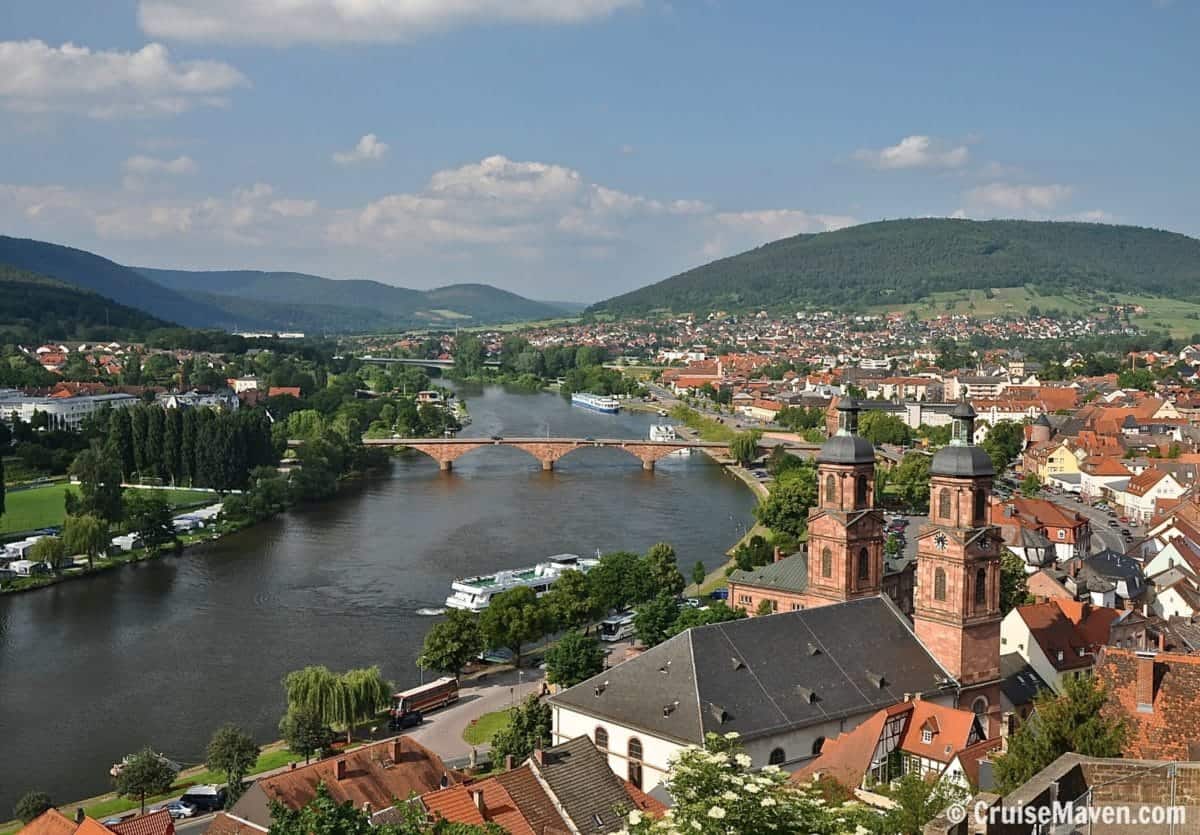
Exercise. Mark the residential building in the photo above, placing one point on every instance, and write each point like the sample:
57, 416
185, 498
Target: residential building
371, 777
1057, 639
568, 788
913, 736
1107, 578
1146, 489
53, 822
62, 412
1068, 530
1157, 694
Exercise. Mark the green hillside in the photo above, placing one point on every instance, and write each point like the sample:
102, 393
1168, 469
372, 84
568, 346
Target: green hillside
900, 262
36, 309
297, 301
99, 275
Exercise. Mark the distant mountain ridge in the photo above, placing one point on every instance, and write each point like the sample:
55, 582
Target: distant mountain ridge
902, 261
299, 301
279, 301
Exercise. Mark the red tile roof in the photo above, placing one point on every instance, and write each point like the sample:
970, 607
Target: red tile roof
1067, 626
457, 804
49, 822
1171, 727
951, 730
227, 824
155, 823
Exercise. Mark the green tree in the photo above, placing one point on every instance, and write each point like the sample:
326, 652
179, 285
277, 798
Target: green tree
785, 510
86, 534
766, 606
149, 516
143, 775
528, 729
513, 619
653, 620
364, 693
716, 792
31, 805
662, 568
325, 816
452, 643
99, 477
781, 461
713, 613
1031, 485
569, 602
574, 658
619, 581
469, 355
51, 551
232, 752
1014, 586
338, 700
743, 448
1004, 442
305, 733
698, 574
911, 479
884, 428
5, 438
1074, 721
919, 799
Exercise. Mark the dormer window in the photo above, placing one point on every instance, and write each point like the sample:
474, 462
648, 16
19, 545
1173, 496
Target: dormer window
926, 736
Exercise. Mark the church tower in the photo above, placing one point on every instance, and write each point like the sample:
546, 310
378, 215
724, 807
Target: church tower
845, 531
957, 607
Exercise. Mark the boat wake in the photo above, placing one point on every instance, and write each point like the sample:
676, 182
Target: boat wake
429, 612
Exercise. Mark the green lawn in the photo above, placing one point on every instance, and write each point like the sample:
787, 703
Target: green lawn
43, 506
481, 731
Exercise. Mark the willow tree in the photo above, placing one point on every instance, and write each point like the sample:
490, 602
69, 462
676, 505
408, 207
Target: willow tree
342, 700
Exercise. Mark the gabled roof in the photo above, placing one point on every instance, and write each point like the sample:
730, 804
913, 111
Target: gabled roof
457, 804
49, 822
952, 731
766, 675
155, 823
789, 574
1172, 724
226, 823
1019, 682
579, 777
1067, 626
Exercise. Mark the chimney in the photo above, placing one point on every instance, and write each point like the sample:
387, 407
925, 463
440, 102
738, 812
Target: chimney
79, 815
539, 756
368, 809
339, 769
1145, 682
778, 553
477, 799
508, 762
397, 750
1007, 721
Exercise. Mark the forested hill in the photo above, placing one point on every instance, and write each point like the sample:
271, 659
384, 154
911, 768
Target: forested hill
900, 261
298, 301
35, 309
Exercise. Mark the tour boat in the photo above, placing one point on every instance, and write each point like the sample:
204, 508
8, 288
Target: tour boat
596, 402
475, 593
663, 432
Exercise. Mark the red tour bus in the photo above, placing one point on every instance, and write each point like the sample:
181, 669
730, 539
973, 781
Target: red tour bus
427, 697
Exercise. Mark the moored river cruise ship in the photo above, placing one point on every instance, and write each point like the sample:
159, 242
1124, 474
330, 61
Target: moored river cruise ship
596, 402
475, 593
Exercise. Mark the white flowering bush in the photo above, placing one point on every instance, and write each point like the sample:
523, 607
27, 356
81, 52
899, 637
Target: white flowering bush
716, 793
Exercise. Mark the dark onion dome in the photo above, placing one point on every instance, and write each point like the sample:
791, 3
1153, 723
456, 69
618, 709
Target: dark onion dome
847, 446
961, 458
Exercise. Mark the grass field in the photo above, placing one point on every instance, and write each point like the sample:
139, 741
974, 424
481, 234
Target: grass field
1181, 319
43, 507
481, 731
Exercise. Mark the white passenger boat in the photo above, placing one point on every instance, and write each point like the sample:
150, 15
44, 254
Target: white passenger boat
475, 593
596, 402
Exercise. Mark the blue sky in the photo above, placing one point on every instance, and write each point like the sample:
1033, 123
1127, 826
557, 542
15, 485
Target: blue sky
572, 149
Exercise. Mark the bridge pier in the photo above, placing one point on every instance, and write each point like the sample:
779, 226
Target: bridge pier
647, 465
547, 465
445, 465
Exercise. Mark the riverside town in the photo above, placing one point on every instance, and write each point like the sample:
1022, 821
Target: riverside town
599, 417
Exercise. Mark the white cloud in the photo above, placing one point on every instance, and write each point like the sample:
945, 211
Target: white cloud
332, 21
736, 231
152, 165
367, 149
294, 208
37, 77
1018, 199
915, 152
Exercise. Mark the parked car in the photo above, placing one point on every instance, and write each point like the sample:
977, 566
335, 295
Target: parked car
178, 809
205, 798
1125, 531
1113, 523
406, 720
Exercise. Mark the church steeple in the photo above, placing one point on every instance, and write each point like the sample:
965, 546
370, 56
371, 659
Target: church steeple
957, 611
845, 532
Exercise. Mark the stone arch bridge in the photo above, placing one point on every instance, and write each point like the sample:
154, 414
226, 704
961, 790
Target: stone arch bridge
548, 450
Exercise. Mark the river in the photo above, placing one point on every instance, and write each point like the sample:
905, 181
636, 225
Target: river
164, 652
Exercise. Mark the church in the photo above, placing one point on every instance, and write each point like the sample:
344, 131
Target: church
841, 651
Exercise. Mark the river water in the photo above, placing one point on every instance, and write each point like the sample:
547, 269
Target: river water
164, 652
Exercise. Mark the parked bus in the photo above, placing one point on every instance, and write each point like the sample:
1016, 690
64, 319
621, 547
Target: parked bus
427, 697
617, 628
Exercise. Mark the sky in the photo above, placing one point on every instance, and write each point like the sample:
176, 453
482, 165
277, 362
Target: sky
575, 149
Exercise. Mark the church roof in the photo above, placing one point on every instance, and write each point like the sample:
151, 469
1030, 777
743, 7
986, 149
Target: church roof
847, 449
962, 461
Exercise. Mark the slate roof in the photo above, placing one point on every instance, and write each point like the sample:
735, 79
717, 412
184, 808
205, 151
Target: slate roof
579, 776
766, 675
1019, 683
789, 574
